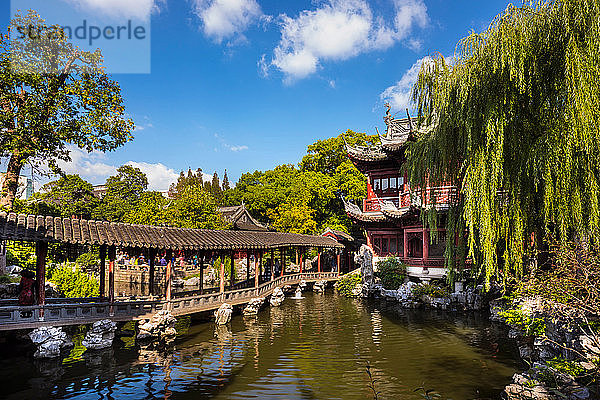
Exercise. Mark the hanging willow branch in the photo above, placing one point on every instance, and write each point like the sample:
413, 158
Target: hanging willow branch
517, 115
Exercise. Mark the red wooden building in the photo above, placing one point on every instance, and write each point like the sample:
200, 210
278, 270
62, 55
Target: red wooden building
391, 212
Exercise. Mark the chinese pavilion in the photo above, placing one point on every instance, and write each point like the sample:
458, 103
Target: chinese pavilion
391, 212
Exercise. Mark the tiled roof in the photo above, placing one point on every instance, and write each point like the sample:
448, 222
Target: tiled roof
78, 231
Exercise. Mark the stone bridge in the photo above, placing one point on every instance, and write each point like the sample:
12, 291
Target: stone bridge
62, 312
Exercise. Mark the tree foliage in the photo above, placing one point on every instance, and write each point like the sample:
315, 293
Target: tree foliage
515, 128
305, 199
66, 197
123, 192
53, 95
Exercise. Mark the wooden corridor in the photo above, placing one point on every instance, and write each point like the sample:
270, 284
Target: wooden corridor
67, 313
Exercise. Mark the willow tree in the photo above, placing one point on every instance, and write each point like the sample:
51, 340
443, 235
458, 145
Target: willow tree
515, 119
53, 95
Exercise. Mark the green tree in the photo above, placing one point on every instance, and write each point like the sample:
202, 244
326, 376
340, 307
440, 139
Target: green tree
226, 186
515, 128
327, 155
53, 95
183, 180
294, 217
66, 197
123, 192
152, 208
194, 207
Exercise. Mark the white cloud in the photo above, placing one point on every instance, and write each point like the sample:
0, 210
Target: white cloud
93, 168
159, 176
237, 148
226, 19
137, 9
338, 30
399, 95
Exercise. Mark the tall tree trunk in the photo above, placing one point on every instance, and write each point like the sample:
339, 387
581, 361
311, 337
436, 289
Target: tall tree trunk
11, 182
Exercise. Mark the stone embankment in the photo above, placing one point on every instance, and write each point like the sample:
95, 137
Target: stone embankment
407, 295
555, 342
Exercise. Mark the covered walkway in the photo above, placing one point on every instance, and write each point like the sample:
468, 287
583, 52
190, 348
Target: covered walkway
155, 240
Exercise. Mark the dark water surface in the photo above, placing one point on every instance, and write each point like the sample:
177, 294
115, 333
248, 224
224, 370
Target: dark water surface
315, 348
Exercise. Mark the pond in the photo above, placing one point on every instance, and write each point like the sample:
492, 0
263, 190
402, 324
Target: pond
314, 348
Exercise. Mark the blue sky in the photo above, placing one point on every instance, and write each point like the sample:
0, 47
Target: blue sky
246, 85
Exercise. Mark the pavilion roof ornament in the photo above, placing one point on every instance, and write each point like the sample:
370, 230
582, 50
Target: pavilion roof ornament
355, 212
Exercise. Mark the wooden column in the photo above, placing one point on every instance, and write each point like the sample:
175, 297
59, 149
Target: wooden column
102, 273
272, 265
232, 272
338, 263
282, 252
168, 275
112, 254
425, 244
256, 271
405, 245
151, 267
222, 276
319, 259
201, 265
301, 261
41, 251
247, 265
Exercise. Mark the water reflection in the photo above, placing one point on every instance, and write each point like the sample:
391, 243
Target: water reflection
313, 348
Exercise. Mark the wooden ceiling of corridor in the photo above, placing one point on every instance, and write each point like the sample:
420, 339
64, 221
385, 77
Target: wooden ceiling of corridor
22, 227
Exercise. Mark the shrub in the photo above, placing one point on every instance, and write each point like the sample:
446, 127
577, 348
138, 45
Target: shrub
347, 283
427, 289
391, 272
72, 282
530, 326
5, 279
88, 261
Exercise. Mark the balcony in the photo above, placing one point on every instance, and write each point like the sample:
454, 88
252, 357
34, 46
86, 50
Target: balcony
440, 197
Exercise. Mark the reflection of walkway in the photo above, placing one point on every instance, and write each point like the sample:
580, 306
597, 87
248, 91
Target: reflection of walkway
85, 313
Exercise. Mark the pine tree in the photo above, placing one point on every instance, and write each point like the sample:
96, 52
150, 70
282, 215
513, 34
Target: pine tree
226, 185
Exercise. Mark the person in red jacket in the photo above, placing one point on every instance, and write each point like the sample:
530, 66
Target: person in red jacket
27, 291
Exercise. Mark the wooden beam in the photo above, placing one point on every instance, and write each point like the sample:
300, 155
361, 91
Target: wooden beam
41, 251
102, 273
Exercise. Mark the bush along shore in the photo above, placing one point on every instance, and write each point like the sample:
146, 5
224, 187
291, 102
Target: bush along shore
553, 320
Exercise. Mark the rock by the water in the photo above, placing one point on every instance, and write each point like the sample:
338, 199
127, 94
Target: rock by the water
364, 258
160, 327
277, 297
101, 335
49, 341
302, 285
223, 314
195, 281
253, 307
319, 287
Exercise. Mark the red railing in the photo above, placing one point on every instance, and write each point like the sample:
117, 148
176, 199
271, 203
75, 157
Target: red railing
439, 196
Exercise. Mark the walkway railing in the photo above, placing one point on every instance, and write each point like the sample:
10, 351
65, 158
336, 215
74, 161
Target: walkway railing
69, 312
